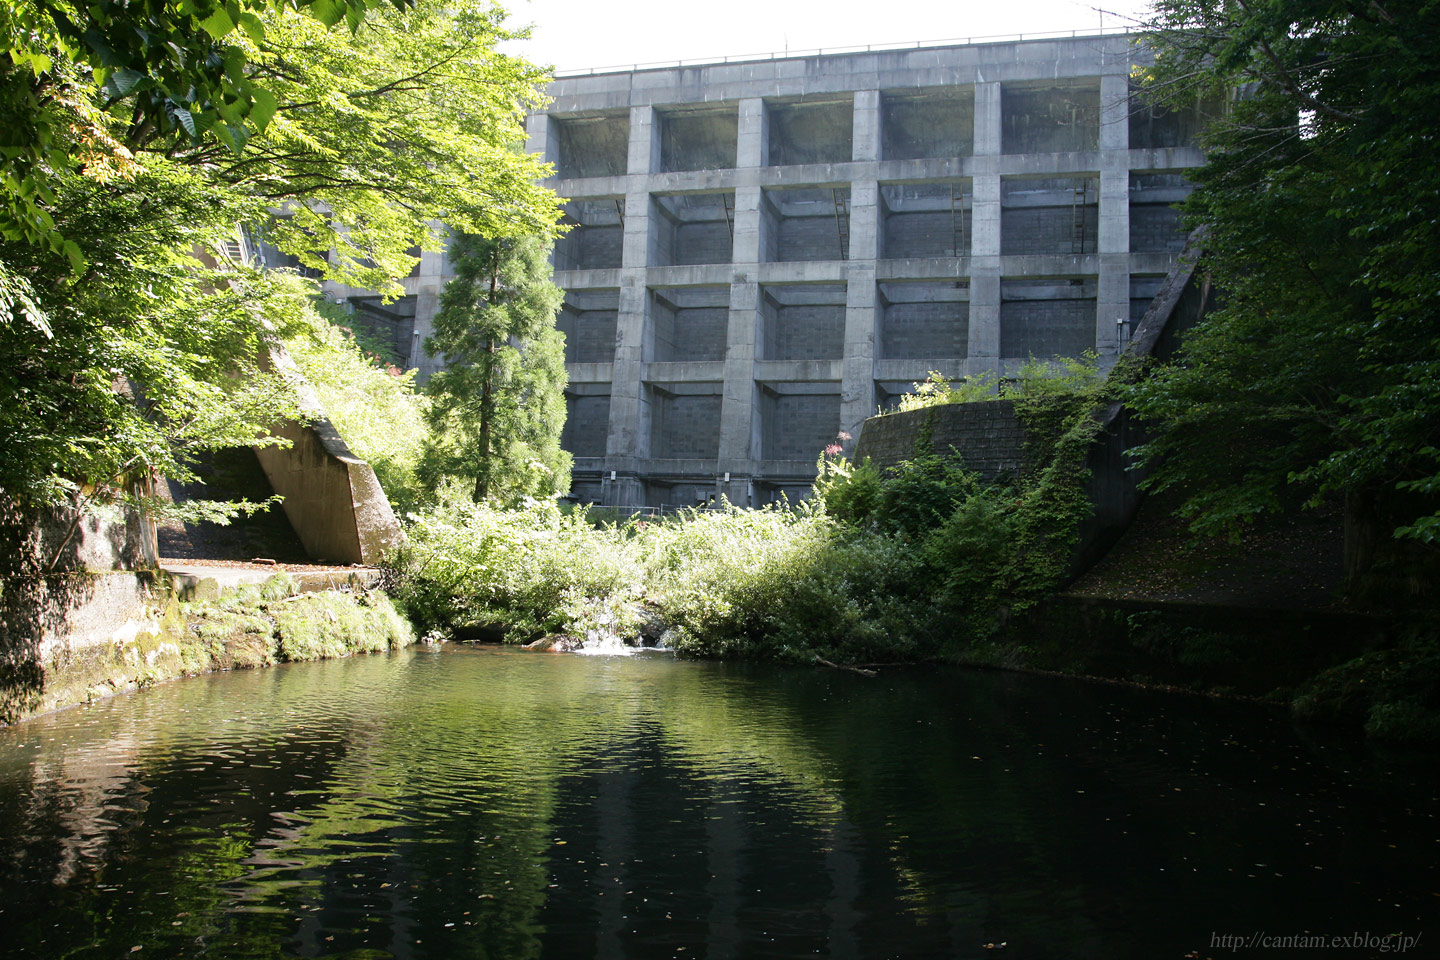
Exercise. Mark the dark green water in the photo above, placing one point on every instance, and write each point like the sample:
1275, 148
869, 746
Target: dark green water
483, 803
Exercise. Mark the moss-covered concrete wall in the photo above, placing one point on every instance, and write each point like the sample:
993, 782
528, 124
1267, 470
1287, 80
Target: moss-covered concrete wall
987, 436
91, 635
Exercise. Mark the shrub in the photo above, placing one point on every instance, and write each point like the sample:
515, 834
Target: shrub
371, 402
938, 389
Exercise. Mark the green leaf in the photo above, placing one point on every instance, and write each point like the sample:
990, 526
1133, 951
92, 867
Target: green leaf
71, 249
186, 120
328, 12
124, 80
253, 26
218, 24
262, 108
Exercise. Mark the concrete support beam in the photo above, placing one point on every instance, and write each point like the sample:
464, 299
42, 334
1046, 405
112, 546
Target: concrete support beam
862, 319
865, 138
1113, 289
427, 304
541, 137
984, 340
1114, 164
864, 220
739, 416
752, 148
987, 120
644, 157
629, 433
749, 227
1112, 303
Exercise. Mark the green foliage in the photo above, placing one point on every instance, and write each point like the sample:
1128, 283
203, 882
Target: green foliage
849, 491
498, 408
531, 570
148, 357
412, 120
373, 404
267, 97
767, 584
1059, 376
1320, 375
865, 572
143, 134
938, 389
170, 70
1394, 693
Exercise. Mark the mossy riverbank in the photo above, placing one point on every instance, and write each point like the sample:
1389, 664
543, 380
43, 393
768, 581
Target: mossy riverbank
248, 627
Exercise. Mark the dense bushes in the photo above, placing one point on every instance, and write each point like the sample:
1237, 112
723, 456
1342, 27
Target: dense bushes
772, 583
923, 562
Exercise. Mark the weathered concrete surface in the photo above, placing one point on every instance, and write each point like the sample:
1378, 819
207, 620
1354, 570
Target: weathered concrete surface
77, 637
963, 207
103, 537
204, 582
988, 437
332, 497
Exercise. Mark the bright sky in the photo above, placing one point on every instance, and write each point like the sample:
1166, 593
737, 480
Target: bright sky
578, 34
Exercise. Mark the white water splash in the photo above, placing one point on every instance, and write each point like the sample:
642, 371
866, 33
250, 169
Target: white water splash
605, 643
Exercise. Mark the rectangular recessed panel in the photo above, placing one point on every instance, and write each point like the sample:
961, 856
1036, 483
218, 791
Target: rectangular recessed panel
596, 235
1049, 217
803, 322
807, 224
1045, 319
699, 140
588, 319
1156, 127
687, 426
1155, 221
926, 220
934, 123
800, 426
593, 146
1050, 118
811, 132
689, 323
587, 425
692, 229
925, 321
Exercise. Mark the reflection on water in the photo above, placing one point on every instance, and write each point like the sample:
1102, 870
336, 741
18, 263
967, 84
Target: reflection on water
496, 804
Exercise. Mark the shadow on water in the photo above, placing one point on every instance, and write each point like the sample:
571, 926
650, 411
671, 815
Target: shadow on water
488, 803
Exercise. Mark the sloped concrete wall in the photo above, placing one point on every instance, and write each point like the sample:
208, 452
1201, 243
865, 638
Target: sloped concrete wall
332, 497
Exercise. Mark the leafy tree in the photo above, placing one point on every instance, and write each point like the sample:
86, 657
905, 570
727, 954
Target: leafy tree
131, 344
165, 67
148, 357
1319, 376
498, 408
380, 136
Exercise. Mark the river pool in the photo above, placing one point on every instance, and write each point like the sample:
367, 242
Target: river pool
485, 803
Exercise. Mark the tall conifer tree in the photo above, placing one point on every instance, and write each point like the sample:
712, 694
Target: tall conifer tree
499, 406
